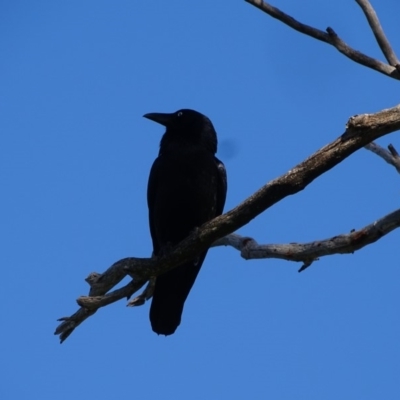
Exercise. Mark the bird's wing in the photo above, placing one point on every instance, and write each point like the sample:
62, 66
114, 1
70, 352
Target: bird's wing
222, 186
152, 186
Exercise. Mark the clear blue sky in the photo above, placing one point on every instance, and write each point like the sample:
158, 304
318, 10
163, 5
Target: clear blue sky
76, 78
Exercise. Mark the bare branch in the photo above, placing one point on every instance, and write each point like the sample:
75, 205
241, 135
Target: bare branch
290, 21
391, 156
68, 324
309, 252
144, 296
360, 130
95, 302
329, 37
393, 151
379, 33
102, 283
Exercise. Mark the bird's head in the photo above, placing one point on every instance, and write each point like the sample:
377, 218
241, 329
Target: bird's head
186, 127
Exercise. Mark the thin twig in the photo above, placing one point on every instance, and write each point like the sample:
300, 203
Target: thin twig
393, 151
329, 37
69, 324
378, 32
391, 156
144, 296
95, 302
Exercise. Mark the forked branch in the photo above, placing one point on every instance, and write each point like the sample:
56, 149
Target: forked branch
330, 37
310, 252
360, 130
380, 36
391, 156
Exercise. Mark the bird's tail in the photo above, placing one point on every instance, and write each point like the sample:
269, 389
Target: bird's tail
170, 292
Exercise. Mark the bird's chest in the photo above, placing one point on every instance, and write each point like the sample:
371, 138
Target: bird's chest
195, 172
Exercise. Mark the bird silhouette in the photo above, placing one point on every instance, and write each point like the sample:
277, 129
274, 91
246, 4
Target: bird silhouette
187, 187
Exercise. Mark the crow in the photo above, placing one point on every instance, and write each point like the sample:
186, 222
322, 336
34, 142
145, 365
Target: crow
186, 188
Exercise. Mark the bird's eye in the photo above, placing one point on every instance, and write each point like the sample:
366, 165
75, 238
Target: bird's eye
180, 114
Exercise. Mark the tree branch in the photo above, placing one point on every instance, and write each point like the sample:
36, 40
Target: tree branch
360, 130
391, 156
377, 30
309, 252
329, 37
100, 284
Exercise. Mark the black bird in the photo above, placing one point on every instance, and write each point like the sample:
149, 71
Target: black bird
187, 187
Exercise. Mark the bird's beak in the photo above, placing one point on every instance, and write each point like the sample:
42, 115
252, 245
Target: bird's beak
161, 118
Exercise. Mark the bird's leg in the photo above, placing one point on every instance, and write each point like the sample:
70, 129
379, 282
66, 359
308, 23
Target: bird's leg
145, 295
